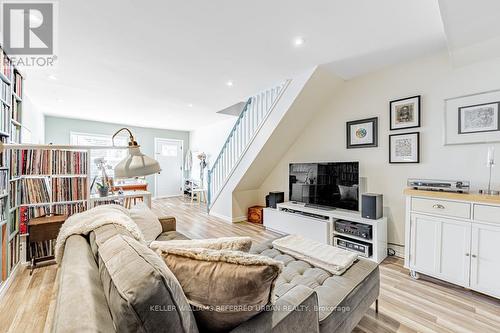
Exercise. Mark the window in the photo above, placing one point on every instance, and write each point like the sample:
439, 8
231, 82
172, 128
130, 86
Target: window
111, 156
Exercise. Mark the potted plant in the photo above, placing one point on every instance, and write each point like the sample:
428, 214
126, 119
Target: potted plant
103, 189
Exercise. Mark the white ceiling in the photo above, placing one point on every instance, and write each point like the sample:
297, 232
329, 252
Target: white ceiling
145, 62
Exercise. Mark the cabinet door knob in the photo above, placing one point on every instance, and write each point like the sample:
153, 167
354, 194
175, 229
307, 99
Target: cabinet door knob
438, 206
467, 254
474, 256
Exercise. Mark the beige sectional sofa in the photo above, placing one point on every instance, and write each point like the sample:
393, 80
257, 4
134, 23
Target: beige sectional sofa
108, 282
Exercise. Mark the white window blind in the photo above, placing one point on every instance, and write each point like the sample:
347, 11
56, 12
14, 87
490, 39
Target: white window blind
111, 156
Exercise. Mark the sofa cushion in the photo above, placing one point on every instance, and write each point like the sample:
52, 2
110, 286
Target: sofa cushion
100, 235
142, 293
222, 243
147, 221
88, 312
224, 287
334, 292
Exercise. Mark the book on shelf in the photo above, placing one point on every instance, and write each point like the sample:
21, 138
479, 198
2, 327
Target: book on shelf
69, 189
14, 221
3, 249
15, 110
4, 118
4, 182
5, 65
14, 252
15, 133
18, 84
3, 209
5, 92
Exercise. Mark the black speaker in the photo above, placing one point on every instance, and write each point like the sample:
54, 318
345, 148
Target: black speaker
372, 206
274, 198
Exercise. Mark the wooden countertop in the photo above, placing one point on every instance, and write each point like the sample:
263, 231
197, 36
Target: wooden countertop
470, 197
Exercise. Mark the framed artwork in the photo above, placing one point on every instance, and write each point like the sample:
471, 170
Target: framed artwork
478, 118
404, 148
472, 118
362, 133
405, 113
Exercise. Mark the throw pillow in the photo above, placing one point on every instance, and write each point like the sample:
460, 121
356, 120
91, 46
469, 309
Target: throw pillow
223, 243
147, 221
142, 293
224, 287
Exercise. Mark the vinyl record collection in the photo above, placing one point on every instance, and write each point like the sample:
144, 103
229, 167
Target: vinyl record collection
42, 249
48, 162
69, 189
33, 191
69, 209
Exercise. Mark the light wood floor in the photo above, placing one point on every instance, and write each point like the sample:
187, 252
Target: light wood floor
405, 305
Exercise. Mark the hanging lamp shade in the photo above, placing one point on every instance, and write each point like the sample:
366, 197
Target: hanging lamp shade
136, 164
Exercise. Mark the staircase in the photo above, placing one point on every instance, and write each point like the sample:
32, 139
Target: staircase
247, 126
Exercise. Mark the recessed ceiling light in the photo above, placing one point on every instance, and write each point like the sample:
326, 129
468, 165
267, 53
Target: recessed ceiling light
298, 41
229, 83
190, 105
52, 77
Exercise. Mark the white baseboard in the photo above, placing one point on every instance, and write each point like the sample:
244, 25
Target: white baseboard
222, 217
239, 219
6, 284
399, 249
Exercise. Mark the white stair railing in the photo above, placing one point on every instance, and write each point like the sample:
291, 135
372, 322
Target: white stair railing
248, 124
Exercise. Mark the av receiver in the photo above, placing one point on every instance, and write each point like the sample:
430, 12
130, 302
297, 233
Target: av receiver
362, 248
459, 186
355, 229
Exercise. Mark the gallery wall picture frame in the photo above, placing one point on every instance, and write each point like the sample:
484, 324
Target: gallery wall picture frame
362, 133
404, 148
473, 118
405, 113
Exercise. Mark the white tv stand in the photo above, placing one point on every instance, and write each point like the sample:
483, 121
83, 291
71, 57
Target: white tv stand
319, 224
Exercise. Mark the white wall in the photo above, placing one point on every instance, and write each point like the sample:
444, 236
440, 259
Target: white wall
33, 130
210, 139
368, 96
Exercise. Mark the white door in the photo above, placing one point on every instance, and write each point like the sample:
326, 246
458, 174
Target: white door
441, 248
169, 154
485, 261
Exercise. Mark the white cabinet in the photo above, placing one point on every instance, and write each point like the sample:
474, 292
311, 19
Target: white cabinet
454, 240
441, 248
485, 259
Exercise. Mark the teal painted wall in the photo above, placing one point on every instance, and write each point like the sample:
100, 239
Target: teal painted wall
58, 129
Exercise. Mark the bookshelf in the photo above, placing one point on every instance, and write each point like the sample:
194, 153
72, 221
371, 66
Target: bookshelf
11, 85
46, 181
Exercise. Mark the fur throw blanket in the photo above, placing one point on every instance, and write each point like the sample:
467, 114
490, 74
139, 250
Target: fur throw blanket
329, 258
85, 222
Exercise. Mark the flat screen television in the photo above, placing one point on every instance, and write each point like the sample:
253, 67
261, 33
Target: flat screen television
329, 185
